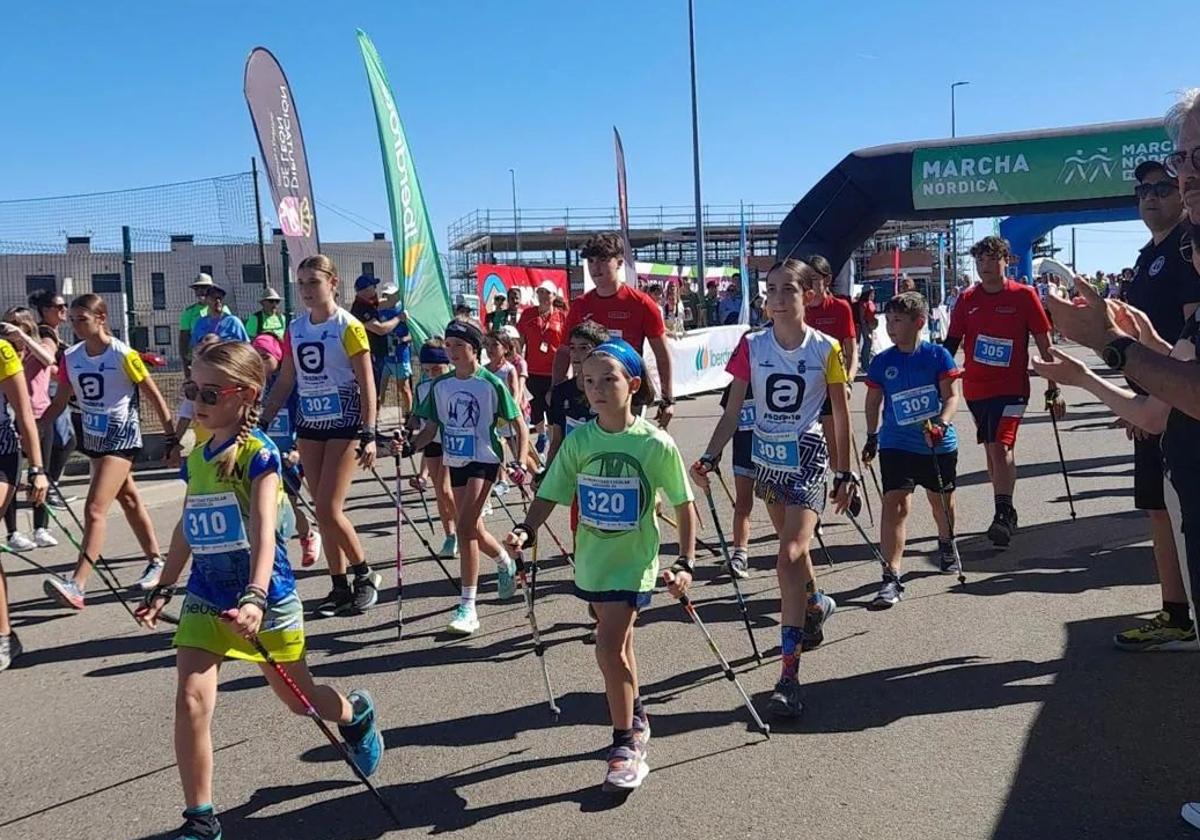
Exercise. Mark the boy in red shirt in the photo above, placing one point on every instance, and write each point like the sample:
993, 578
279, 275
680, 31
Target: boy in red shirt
834, 317
993, 321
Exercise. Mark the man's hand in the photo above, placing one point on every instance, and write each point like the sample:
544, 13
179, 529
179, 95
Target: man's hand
1088, 319
666, 411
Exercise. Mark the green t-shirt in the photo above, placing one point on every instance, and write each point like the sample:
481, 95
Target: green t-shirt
260, 322
497, 319
468, 411
615, 477
189, 316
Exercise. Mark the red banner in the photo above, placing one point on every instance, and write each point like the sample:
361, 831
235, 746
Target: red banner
495, 280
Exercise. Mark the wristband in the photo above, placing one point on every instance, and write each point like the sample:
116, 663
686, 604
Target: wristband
251, 597
160, 591
843, 477
525, 531
253, 587
872, 436
366, 434
665, 401
709, 462
34, 472
682, 564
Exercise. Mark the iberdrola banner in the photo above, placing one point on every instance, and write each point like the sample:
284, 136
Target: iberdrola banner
423, 291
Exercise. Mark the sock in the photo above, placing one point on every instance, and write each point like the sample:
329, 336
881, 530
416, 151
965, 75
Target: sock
624, 738
361, 570
468, 597
204, 818
789, 643
639, 711
341, 582
503, 561
1178, 613
1003, 503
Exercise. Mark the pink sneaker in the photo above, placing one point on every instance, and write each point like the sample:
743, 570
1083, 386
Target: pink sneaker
64, 591
310, 549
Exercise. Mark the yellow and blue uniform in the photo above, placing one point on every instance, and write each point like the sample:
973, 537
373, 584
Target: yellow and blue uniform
10, 366
216, 524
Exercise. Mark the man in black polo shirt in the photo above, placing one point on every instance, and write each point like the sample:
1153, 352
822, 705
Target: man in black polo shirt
1166, 287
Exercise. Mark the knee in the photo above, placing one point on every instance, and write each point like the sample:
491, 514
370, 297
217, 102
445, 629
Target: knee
610, 654
744, 505
327, 510
192, 703
94, 512
128, 502
790, 560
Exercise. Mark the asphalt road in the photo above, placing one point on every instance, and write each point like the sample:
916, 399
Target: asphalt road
995, 710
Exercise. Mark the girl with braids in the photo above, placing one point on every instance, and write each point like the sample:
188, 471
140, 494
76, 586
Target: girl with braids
241, 584
326, 359
106, 377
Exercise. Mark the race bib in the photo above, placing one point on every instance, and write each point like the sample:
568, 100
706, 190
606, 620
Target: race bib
609, 503
321, 405
281, 425
212, 523
996, 352
916, 404
458, 443
95, 423
776, 451
746, 417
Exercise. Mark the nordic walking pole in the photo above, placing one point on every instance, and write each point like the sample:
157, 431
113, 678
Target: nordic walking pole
412, 462
399, 544
858, 460
424, 542
728, 671
937, 468
230, 615
712, 509
562, 549
1061, 460
821, 542
528, 582
862, 533
724, 487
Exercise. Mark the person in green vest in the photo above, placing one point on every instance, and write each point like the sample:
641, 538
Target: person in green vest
268, 319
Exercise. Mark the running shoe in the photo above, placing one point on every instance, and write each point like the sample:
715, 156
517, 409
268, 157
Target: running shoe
627, 769
1002, 528
785, 700
449, 549
738, 565
501, 487
641, 731
366, 590
64, 591
199, 824
339, 601
889, 593
464, 622
310, 548
488, 508
814, 622
61, 504
1157, 634
44, 538
19, 542
1191, 814
506, 579
361, 735
10, 649
948, 561
150, 576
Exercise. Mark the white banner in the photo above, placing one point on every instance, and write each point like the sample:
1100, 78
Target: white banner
698, 359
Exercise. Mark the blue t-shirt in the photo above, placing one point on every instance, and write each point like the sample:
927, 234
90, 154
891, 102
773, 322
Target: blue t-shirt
227, 328
282, 428
399, 349
911, 384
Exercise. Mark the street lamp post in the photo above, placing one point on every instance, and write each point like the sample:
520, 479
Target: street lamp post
954, 220
516, 219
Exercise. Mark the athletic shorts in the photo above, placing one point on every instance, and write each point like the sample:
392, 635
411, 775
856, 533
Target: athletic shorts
459, 476
433, 450
904, 470
539, 393
636, 600
804, 487
827, 408
743, 465
997, 419
344, 433
1148, 474
398, 370
282, 633
10, 467
130, 454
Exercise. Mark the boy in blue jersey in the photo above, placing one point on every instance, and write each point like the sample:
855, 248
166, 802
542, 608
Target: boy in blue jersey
913, 385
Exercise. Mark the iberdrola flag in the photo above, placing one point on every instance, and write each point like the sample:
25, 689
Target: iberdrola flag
423, 291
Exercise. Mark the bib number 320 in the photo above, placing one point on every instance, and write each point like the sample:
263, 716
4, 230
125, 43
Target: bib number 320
609, 503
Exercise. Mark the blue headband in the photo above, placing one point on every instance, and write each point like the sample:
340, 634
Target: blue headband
623, 352
434, 356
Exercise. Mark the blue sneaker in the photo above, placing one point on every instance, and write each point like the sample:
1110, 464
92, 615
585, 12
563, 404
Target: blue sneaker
506, 578
361, 734
199, 824
814, 622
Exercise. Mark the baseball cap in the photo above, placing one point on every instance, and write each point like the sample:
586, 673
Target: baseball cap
1146, 167
365, 281
548, 286
270, 294
389, 289
269, 344
202, 279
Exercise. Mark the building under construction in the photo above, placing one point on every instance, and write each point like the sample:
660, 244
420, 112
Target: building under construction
667, 234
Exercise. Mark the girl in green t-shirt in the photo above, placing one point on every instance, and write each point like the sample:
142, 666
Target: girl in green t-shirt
614, 465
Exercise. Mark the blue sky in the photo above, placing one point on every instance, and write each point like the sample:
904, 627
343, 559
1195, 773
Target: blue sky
106, 96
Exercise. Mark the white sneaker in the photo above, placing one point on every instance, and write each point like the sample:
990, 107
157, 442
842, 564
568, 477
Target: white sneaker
150, 576
488, 510
44, 538
464, 622
1191, 814
501, 487
19, 542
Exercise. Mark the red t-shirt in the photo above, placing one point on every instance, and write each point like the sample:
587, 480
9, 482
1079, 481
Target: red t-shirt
542, 336
629, 314
833, 316
995, 330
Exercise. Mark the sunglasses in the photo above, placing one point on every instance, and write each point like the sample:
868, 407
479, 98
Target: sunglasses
209, 396
1173, 162
1161, 189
